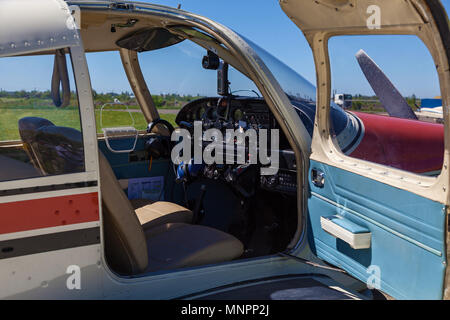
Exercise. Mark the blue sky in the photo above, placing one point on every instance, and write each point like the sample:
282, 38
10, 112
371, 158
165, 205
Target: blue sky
264, 23
411, 70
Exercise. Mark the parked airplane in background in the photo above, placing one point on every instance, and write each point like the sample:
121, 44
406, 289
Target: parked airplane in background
88, 215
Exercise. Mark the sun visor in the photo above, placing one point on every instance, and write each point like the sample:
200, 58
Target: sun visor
149, 39
28, 26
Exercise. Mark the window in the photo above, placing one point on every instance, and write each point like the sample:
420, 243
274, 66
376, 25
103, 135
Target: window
36, 137
114, 101
385, 105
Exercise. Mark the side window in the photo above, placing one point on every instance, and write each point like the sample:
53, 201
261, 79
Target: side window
36, 137
114, 101
385, 104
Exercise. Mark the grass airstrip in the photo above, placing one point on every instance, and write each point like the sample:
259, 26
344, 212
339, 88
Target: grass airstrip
13, 109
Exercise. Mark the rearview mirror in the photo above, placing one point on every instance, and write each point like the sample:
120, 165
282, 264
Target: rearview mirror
222, 79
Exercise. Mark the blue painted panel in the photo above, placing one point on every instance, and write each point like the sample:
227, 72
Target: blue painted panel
408, 240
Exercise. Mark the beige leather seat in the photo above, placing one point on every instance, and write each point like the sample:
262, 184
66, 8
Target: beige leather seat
162, 212
151, 214
130, 249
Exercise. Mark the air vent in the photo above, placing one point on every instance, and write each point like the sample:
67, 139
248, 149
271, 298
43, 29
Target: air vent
121, 6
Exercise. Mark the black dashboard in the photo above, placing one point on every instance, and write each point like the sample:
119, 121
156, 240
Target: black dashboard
241, 113
227, 113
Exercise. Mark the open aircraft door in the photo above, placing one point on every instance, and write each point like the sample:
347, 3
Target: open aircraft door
382, 225
49, 192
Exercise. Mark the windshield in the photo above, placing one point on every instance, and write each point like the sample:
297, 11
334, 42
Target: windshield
293, 84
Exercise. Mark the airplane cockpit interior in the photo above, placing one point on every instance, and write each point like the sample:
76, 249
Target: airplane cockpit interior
159, 215
231, 210
151, 83
150, 152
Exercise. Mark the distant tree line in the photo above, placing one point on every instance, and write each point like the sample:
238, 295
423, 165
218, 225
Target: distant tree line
26, 94
372, 103
161, 100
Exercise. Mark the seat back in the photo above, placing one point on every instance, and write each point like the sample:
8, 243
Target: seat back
125, 243
28, 127
52, 149
59, 150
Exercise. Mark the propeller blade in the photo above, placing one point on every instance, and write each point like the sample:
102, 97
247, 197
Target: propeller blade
391, 99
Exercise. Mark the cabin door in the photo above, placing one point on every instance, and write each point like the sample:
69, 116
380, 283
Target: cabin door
378, 175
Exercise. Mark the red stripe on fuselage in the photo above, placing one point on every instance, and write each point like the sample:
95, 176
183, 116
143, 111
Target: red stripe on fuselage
410, 145
48, 212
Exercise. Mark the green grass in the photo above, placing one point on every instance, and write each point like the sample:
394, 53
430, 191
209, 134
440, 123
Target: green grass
112, 119
11, 111
9, 120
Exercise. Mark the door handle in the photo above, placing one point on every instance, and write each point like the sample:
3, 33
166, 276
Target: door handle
318, 178
358, 237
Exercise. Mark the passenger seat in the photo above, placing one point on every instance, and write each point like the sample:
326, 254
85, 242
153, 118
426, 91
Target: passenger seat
132, 249
150, 215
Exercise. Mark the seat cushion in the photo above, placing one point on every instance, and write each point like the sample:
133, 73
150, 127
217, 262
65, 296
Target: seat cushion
181, 245
162, 212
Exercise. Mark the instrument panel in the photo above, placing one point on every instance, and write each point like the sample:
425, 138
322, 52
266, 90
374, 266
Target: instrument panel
241, 113
227, 113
